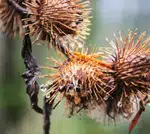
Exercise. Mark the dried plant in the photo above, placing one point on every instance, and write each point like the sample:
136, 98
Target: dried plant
131, 77
131, 65
62, 23
10, 18
65, 21
112, 90
79, 80
118, 86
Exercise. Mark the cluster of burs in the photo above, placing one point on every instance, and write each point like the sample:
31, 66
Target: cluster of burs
107, 84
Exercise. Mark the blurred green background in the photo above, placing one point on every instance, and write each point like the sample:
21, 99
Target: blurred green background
16, 115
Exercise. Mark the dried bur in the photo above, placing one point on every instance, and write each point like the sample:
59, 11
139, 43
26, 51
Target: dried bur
10, 17
56, 22
131, 77
79, 80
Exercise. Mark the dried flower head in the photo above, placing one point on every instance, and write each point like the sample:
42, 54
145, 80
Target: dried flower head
63, 20
79, 80
131, 76
10, 18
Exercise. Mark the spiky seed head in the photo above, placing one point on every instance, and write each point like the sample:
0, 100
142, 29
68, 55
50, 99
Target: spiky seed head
10, 19
63, 20
131, 77
79, 80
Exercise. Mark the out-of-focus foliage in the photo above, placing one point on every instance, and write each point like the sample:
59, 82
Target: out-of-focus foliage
16, 115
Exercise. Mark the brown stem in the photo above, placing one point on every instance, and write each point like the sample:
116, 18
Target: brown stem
47, 110
138, 114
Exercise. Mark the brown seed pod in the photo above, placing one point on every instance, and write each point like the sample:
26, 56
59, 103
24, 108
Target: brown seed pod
131, 76
10, 18
79, 80
58, 20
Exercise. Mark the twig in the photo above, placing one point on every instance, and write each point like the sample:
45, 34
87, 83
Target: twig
47, 113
